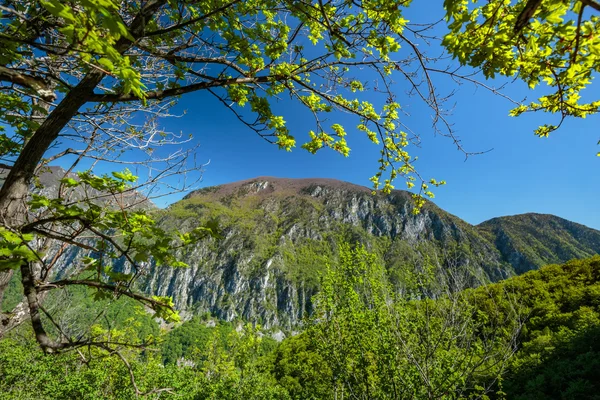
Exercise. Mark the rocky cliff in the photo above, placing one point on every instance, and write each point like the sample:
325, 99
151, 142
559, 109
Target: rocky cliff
278, 234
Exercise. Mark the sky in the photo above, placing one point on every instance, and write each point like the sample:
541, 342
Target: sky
518, 173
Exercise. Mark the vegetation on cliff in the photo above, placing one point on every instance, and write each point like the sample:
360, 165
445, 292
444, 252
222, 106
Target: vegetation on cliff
531, 336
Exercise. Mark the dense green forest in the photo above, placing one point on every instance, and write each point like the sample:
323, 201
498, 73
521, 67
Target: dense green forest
530, 337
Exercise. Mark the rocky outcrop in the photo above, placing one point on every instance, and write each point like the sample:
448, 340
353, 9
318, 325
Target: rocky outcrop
280, 233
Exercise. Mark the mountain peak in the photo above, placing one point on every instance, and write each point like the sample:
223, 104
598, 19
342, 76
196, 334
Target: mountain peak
531, 240
279, 234
270, 184
530, 217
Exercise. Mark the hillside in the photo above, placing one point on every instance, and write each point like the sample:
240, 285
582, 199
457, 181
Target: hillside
557, 354
279, 233
529, 241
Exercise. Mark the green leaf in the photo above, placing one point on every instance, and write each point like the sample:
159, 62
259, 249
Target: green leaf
106, 63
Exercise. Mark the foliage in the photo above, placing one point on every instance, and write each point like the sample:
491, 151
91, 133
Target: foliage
558, 354
193, 336
550, 41
13, 295
58, 377
301, 369
76, 311
383, 344
226, 367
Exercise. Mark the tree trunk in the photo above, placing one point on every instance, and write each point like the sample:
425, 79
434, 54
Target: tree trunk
5, 278
15, 190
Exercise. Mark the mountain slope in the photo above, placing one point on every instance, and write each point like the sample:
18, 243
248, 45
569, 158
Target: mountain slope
529, 241
279, 233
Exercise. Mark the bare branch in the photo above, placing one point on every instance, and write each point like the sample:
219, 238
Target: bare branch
38, 85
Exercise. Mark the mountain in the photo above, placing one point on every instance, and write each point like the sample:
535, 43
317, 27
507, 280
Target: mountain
529, 241
279, 233
48, 184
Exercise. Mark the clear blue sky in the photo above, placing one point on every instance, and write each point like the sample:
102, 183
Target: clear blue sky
558, 175
523, 173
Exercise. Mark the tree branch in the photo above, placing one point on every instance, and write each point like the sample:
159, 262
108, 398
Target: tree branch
39, 85
191, 21
162, 94
149, 301
592, 4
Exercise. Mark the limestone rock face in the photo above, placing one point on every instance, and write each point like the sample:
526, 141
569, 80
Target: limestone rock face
278, 234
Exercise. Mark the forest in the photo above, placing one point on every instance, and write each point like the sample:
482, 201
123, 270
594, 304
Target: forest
529, 337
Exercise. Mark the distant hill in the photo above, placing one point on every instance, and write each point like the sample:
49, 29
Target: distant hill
529, 241
48, 184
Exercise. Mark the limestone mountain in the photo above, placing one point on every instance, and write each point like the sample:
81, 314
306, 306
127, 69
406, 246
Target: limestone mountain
279, 233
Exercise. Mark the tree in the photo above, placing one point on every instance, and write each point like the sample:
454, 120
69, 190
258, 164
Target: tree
550, 41
430, 339
76, 75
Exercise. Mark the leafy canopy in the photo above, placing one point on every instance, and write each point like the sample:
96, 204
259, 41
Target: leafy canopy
552, 41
